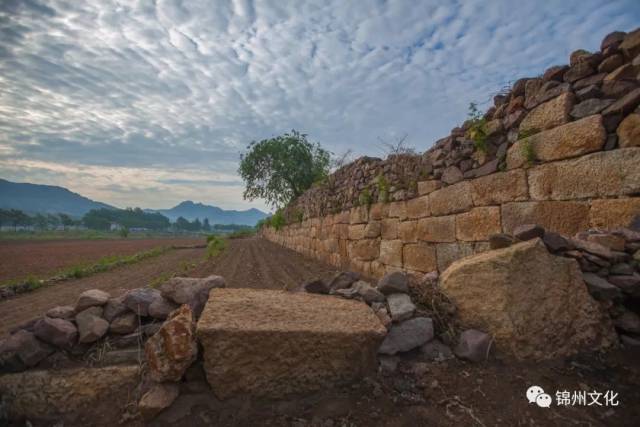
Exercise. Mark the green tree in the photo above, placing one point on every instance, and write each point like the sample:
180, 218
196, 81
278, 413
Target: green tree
205, 225
66, 220
282, 168
40, 221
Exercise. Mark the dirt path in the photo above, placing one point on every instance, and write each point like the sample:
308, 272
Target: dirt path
248, 263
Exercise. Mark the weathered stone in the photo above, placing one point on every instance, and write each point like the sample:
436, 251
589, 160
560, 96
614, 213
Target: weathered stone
139, 300
127, 356
578, 71
630, 285
364, 250
344, 280
447, 253
90, 326
555, 242
368, 293
590, 107
252, 339
356, 231
391, 252
114, 308
600, 289
534, 304
612, 213
478, 224
316, 286
473, 345
61, 312
58, 332
624, 105
407, 231
195, 292
629, 131
612, 39
452, 199
549, 115
500, 188
407, 335
609, 173
124, 324
617, 88
418, 207
157, 399
591, 91
419, 257
90, 298
573, 139
451, 175
173, 348
72, 396
437, 229
631, 44
555, 73
436, 351
396, 282
400, 307
358, 215
528, 231
398, 210
628, 321
588, 81
500, 240
611, 63
383, 316
426, 187
389, 229
26, 348
611, 241
372, 230
621, 268
160, 308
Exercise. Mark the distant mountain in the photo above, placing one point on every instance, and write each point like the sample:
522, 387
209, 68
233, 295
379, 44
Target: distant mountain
190, 210
35, 198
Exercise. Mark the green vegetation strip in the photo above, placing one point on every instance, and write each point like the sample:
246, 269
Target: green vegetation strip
83, 270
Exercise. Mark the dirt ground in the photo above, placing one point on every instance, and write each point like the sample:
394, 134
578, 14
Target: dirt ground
42, 258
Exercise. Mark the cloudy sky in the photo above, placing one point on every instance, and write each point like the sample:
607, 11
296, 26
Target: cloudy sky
148, 103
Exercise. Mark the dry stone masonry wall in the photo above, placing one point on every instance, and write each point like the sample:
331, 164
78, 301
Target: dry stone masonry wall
561, 150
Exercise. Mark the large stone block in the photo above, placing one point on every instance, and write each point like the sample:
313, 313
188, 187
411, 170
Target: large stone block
356, 231
419, 257
418, 207
437, 229
447, 253
407, 231
478, 224
398, 210
391, 252
534, 304
629, 131
562, 217
608, 173
550, 114
426, 187
389, 228
613, 213
573, 139
452, 199
501, 187
273, 343
364, 250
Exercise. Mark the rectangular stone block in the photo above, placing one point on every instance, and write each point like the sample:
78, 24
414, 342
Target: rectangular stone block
452, 199
389, 228
426, 187
603, 174
358, 215
378, 211
398, 210
271, 344
447, 253
372, 230
356, 231
391, 252
478, 224
437, 229
571, 140
550, 114
418, 207
407, 231
562, 217
419, 257
613, 213
364, 250
501, 187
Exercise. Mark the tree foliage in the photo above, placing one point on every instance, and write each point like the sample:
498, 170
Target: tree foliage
282, 168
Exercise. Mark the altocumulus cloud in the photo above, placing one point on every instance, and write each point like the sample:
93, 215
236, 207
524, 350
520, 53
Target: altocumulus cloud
151, 102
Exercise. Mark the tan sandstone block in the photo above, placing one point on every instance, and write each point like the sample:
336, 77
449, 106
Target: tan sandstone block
391, 252
562, 217
378, 211
426, 187
501, 187
571, 140
629, 131
418, 207
389, 229
398, 210
407, 231
608, 173
447, 253
419, 257
342, 217
356, 231
364, 250
613, 213
358, 215
372, 230
550, 114
452, 199
437, 229
478, 224
252, 338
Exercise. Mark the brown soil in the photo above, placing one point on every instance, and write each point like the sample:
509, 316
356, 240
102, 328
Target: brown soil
24, 258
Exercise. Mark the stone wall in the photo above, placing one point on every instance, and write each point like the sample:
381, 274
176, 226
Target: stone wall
561, 150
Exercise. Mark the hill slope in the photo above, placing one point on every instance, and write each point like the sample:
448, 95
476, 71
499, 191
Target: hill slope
190, 210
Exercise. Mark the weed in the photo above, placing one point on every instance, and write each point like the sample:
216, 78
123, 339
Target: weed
365, 199
527, 152
527, 133
477, 131
215, 247
278, 220
383, 189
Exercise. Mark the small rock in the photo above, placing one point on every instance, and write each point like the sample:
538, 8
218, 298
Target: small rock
348, 293
592, 247
528, 231
90, 298
451, 175
628, 321
161, 308
555, 242
368, 293
61, 312
124, 324
629, 284
392, 283
114, 308
59, 332
195, 292
590, 107
600, 289
436, 351
500, 240
90, 326
611, 241
344, 280
611, 63
139, 300
407, 336
158, 398
316, 286
612, 40
621, 269
383, 315
26, 347
400, 307
473, 345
